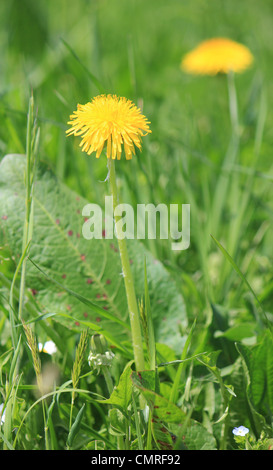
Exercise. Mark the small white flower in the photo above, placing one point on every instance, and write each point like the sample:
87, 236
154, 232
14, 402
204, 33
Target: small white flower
240, 431
97, 360
48, 347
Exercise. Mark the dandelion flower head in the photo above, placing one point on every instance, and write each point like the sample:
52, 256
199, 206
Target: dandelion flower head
109, 121
217, 55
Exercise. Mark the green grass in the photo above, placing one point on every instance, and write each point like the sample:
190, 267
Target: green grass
207, 311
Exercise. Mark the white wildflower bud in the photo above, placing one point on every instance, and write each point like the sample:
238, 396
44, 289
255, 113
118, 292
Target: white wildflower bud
99, 355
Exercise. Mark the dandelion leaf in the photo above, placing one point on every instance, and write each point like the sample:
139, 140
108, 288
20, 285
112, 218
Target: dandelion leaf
89, 268
172, 428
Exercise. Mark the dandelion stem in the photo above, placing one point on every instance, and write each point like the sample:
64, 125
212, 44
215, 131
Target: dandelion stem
233, 105
127, 273
224, 180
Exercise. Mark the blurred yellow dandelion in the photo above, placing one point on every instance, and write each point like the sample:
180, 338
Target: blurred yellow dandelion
109, 121
217, 55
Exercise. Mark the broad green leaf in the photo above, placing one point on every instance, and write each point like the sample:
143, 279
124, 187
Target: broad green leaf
269, 371
210, 362
122, 393
238, 332
239, 408
170, 425
117, 422
257, 418
162, 410
196, 437
257, 370
258, 360
82, 279
261, 371
75, 427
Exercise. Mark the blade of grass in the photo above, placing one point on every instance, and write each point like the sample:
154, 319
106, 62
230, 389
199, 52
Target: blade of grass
177, 380
8, 445
240, 198
230, 159
77, 366
75, 427
44, 397
12, 312
98, 329
50, 425
149, 323
242, 276
137, 423
92, 77
11, 392
179, 361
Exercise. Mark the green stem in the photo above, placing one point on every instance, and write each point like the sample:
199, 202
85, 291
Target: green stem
137, 423
236, 198
127, 274
110, 387
47, 444
108, 379
27, 225
225, 179
71, 409
233, 103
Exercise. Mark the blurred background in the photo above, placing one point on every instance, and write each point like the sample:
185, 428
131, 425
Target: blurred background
134, 48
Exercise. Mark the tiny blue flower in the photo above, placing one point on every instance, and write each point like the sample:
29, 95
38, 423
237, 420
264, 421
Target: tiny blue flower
240, 431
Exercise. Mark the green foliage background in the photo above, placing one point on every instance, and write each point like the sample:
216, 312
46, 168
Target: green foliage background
134, 49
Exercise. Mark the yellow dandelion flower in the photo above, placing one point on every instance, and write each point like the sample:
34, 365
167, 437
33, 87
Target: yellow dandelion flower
109, 121
217, 55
